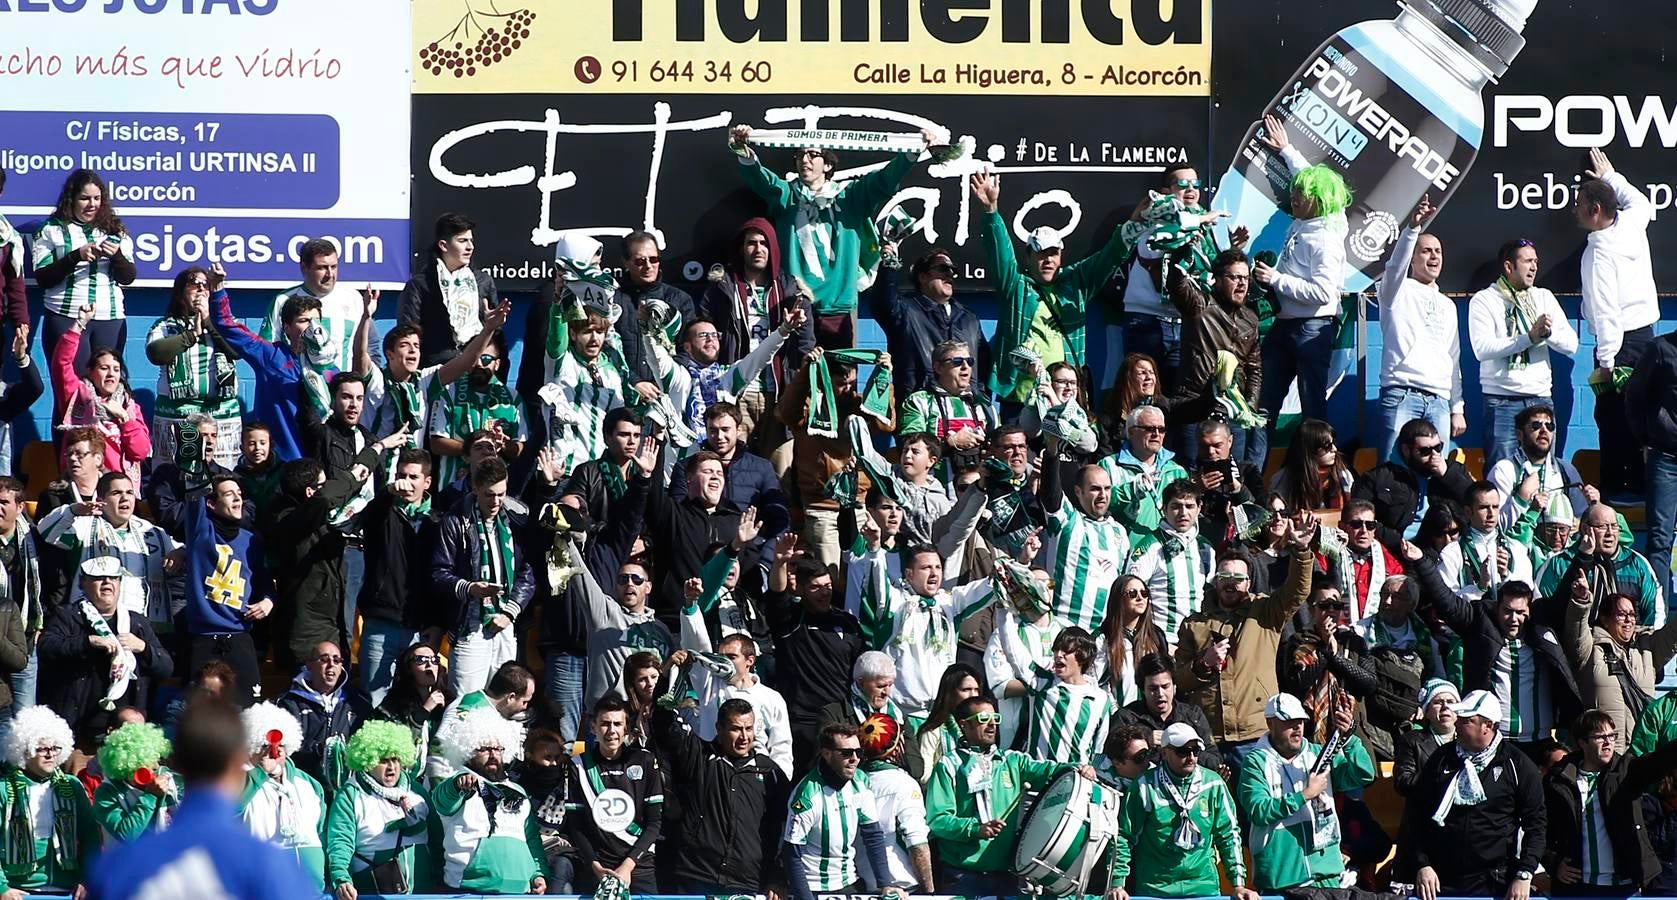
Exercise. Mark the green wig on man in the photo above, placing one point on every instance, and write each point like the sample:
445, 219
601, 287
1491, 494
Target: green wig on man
134, 746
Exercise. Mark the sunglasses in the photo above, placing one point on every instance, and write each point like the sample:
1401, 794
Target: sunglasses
1140, 757
1233, 577
426, 660
1359, 525
1183, 184
1148, 429
645, 260
631, 578
198, 282
488, 359
1428, 449
1541, 425
846, 752
985, 718
944, 269
1185, 752
959, 362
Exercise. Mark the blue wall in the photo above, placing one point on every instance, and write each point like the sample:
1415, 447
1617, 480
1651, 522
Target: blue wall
1575, 406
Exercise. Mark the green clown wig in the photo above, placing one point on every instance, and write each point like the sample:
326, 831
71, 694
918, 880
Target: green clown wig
135, 746
378, 741
1324, 187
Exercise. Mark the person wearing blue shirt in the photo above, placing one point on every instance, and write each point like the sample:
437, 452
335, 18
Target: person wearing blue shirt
206, 853
278, 366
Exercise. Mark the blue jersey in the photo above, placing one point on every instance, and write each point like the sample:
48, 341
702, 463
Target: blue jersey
223, 578
205, 853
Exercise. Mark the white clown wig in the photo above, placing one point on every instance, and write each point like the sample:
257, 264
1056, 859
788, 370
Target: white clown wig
460, 738
38, 726
264, 717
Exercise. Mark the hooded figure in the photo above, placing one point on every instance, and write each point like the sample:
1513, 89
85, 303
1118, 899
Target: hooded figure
745, 312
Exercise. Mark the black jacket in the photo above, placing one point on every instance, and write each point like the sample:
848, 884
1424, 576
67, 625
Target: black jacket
683, 533
914, 325
1482, 638
1411, 750
332, 442
843, 713
308, 560
397, 551
1651, 396
1478, 839
318, 725
723, 305
454, 564
1139, 715
814, 654
1395, 492
732, 810
1209, 325
58, 565
635, 772
751, 481
1620, 787
629, 298
421, 304
1662, 836
74, 676
169, 497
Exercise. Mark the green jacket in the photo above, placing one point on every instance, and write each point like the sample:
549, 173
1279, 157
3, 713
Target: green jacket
1136, 499
1147, 826
953, 810
363, 830
51, 869
311, 852
1048, 318
838, 268
1280, 830
126, 812
1656, 727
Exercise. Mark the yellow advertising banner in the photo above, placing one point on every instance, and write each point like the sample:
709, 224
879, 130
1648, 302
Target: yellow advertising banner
1018, 47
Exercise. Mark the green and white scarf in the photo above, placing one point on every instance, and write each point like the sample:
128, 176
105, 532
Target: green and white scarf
1466, 789
460, 299
495, 563
1518, 314
29, 571
823, 419
862, 708
20, 823
123, 662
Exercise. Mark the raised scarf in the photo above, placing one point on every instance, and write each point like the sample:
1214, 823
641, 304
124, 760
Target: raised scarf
495, 561
823, 417
1288, 776
460, 299
1518, 314
1016, 646
123, 662
20, 823
1465, 789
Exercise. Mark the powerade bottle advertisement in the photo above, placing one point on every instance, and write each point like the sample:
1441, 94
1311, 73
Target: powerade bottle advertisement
1395, 107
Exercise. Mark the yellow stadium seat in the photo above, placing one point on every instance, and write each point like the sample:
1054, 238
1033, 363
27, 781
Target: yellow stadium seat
39, 465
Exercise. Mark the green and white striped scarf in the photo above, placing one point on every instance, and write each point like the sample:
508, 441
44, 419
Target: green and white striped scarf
1518, 314
20, 857
466, 409
823, 418
495, 560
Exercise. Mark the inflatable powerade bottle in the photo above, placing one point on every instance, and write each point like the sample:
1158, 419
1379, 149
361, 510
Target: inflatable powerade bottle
1395, 107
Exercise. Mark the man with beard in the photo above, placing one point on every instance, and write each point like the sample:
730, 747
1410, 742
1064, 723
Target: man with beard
1512, 325
490, 839
1215, 323
748, 299
478, 401
396, 604
1289, 802
1087, 547
831, 808
308, 551
228, 588
340, 308
1532, 478
724, 780
916, 322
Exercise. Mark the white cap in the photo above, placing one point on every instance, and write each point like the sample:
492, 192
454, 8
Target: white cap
1182, 734
102, 567
1045, 238
1284, 708
1480, 704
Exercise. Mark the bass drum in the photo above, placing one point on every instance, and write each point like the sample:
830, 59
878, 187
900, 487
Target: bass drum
1066, 834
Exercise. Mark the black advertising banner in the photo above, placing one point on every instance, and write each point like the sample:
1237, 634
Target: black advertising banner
610, 165
1591, 74
1078, 105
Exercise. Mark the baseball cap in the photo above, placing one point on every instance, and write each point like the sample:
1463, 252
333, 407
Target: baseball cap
102, 567
1182, 734
1284, 707
1045, 237
1482, 704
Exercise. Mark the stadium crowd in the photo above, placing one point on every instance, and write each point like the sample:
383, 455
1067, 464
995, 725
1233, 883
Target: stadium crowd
705, 599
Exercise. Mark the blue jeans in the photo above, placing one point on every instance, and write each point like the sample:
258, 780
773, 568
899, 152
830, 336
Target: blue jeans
1501, 440
965, 883
355, 572
1158, 338
1398, 405
23, 683
1662, 516
382, 643
1295, 348
566, 677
